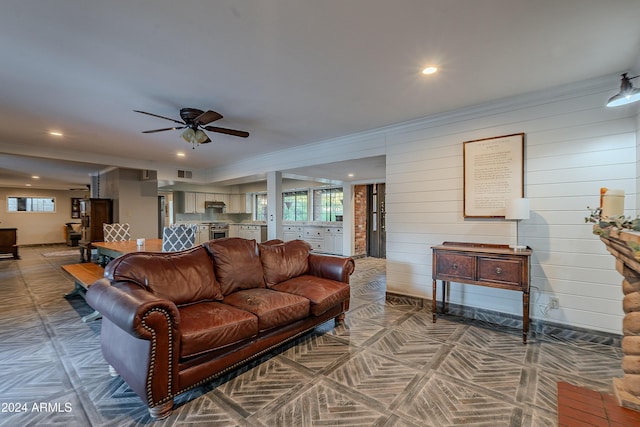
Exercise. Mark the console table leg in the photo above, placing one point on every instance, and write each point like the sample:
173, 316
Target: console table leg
434, 301
445, 288
525, 316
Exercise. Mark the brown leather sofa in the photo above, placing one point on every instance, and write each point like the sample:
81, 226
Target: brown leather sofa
173, 321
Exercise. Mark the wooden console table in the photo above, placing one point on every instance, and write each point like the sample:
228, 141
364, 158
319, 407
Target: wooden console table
495, 266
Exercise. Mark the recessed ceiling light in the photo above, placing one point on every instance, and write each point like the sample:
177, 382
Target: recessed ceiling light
429, 70
180, 154
350, 175
28, 185
35, 177
55, 133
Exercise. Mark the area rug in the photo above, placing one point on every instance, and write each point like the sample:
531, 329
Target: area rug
70, 252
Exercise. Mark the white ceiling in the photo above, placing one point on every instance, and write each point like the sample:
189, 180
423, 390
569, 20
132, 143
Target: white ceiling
289, 72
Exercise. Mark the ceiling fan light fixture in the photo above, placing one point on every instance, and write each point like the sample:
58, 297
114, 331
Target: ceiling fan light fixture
193, 120
194, 137
627, 94
189, 135
200, 136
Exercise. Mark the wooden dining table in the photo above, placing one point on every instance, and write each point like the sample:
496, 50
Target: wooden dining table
110, 250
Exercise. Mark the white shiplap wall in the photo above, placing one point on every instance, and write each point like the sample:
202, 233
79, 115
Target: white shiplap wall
574, 146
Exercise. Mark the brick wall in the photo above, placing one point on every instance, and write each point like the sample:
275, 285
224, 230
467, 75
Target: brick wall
360, 219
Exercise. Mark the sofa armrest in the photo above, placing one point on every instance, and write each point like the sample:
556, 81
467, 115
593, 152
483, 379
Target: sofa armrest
331, 267
128, 306
140, 338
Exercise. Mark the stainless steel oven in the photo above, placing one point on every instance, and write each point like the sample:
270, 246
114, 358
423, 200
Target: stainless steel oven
218, 231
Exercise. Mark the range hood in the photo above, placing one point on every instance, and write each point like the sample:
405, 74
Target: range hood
214, 205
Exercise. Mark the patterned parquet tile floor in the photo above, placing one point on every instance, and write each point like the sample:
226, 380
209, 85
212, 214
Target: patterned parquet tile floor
388, 365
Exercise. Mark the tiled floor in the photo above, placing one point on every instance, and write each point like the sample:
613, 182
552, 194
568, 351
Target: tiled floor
389, 365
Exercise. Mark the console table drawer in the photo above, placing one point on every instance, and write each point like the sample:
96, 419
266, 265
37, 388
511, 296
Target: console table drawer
456, 266
502, 271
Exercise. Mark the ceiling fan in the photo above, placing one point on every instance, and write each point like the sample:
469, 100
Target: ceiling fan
194, 121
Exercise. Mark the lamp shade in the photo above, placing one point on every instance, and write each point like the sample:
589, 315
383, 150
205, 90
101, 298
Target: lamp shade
200, 137
189, 135
517, 209
627, 94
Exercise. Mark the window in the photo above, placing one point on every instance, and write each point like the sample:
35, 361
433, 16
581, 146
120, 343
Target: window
260, 202
294, 205
31, 204
327, 204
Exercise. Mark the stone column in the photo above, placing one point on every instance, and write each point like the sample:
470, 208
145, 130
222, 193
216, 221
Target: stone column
620, 245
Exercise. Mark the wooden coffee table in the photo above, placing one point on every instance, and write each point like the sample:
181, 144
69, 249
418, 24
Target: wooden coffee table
84, 275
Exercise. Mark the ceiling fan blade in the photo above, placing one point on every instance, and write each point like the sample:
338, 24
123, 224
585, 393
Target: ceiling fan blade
240, 133
162, 130
161, 117
207, 117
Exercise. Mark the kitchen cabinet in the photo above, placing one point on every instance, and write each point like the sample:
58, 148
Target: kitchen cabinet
257, 232
189, 202
333, 240
185, 202
203, 234
292, 232
193, 201
237, 203
326, 239
199, 202
234, 230
314, 235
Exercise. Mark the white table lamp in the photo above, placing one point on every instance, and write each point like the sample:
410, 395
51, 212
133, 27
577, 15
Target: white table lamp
517, 209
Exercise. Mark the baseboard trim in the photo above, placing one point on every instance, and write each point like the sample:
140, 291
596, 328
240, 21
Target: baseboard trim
537, 327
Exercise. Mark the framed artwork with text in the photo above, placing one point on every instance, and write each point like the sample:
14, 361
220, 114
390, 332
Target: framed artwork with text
493, 174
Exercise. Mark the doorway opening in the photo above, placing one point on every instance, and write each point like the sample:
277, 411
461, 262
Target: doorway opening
376, 221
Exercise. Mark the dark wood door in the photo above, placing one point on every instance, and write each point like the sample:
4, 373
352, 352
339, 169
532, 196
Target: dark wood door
376, 224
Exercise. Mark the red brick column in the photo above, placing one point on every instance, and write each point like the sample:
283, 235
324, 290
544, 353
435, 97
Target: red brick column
360, 219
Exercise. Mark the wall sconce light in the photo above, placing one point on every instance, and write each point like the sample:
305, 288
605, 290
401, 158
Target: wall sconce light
627, 93
517, 210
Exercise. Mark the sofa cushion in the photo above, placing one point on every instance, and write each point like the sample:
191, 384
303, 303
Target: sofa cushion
284, 261
237, 264
182, 277
210, 325
323, 293
272, 308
